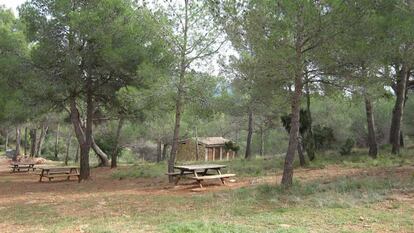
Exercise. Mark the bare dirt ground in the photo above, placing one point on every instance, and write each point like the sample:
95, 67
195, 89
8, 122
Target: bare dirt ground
25, 188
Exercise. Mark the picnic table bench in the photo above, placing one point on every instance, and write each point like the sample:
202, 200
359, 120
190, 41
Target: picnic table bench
56, 172
22, 167
201, 172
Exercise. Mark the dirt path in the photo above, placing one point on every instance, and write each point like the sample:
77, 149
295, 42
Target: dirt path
25, 188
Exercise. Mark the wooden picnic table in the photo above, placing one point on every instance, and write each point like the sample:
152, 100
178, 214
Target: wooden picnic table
22, 167
54, 172
200, 172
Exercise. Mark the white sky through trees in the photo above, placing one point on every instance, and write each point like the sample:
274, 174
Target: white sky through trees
210, 65
12, 4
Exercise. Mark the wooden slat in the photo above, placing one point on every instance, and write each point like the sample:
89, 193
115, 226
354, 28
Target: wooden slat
60, 175
199, 167
213, 177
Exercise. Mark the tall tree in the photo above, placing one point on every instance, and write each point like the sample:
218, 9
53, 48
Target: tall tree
195, 37
87, 50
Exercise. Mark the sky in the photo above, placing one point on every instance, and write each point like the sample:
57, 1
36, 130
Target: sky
13, 4
212, 67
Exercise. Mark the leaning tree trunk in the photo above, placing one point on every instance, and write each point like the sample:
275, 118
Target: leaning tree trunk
114, 155
33, 135
397, 113
18, 141
287, 178
102, 156
372, 141
248, 154
42, 136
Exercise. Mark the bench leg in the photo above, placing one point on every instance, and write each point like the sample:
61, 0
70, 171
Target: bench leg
199, 183
179, 177
223, 181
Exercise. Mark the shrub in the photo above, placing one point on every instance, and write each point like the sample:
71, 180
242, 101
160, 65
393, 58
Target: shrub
323, 136
346, 149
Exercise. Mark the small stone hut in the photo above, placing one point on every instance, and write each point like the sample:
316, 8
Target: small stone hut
208, 148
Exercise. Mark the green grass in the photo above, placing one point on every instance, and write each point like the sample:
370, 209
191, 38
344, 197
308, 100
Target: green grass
352, 203
335, 206
261, 166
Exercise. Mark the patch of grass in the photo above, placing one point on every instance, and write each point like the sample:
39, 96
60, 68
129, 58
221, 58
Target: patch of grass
360, 159
144, 170
206, 227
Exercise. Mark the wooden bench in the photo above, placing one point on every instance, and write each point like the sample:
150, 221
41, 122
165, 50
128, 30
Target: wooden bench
56, 172
211, 177
186, 173
22, 167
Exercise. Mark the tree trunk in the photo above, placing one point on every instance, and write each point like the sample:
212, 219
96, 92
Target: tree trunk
68, 143
372, 141
262, 143
6, 145
397, 112
102, 156
196, 143
114, 155
57, 141
159, 150
302, 160
33, 136
25, 141
43, 131
164, 151
77, 154
84, 144
309, 140
18, 141
248, 154
180, 95
287, 178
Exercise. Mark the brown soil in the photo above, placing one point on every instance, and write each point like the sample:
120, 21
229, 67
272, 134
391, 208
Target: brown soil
24, 187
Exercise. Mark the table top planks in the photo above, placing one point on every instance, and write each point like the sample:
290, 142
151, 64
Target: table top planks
51, 168
199, 167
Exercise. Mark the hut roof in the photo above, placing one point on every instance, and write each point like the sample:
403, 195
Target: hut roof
209, 141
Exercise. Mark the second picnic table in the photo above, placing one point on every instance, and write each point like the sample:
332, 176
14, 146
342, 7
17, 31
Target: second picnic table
201, 172
54, 172
19, 167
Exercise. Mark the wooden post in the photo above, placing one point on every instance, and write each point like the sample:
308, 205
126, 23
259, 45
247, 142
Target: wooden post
221, 153
214, 153
227, 155
196, 142
206, 155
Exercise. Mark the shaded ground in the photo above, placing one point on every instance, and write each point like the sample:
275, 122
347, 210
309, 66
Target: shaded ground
105, 204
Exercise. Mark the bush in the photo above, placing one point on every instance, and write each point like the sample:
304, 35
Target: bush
346, 149
107, 141
323, 136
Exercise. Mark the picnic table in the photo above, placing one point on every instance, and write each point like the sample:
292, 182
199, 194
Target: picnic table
201, 172
22, 167
55, 172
